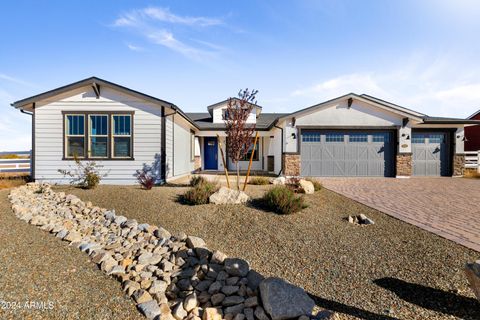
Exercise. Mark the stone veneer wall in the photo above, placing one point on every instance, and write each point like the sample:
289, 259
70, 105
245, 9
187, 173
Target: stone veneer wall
291, 164
404, 164
458, 164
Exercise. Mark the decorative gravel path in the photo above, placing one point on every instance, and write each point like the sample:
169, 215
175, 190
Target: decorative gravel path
448, 207
391, 270
43, 278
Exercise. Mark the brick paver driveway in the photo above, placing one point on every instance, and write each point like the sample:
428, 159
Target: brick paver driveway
448, 207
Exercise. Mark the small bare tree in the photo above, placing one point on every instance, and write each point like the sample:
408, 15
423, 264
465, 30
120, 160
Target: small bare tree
239, 132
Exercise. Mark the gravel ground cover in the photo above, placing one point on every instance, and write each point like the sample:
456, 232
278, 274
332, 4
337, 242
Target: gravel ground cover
43, 278
391, 270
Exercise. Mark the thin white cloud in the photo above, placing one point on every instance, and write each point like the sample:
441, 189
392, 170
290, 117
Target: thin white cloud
16, 80
438, 88
164, 14
154, 24
134, 47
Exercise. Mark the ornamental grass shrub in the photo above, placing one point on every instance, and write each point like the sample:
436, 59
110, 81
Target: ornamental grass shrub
259, 181
283, 200
199, 193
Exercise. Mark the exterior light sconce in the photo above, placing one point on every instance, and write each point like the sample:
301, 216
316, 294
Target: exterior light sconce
294, 136
406, 136
463, 138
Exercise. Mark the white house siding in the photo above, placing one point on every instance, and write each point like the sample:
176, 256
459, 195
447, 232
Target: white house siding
217, 114
183, 163
49, 134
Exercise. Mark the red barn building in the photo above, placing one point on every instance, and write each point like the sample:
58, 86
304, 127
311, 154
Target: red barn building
472, 134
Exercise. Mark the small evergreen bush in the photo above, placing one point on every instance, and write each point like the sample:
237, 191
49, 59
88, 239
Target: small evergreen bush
283, 200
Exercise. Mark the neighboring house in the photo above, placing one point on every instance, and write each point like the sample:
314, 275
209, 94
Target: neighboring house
472, 134
122, 129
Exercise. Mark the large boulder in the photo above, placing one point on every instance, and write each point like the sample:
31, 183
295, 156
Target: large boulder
229, 196
472, 270
282, 300
307, 186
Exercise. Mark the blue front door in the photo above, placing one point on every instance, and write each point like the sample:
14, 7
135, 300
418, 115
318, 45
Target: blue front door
210, 153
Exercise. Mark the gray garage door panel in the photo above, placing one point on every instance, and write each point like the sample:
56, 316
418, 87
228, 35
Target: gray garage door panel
430, 154
347, 153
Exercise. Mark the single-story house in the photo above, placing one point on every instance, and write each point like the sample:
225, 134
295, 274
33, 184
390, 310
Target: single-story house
472, 134
122, 129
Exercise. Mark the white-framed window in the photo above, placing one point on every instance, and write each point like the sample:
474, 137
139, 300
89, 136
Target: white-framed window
75, 135
98, 136
122, 136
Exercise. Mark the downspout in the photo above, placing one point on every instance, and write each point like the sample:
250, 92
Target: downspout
281, 168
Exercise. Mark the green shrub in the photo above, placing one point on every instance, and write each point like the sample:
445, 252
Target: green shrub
282, 199
317, 186
85, 174
260, 181
196, 180
199, 193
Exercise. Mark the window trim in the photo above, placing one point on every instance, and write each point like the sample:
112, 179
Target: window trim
66, 135
110, 137
113, 135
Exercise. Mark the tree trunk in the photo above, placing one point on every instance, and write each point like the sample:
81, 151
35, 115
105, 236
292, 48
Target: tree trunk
238, 176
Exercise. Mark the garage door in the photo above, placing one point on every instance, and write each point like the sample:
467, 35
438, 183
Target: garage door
430, 154
347, 153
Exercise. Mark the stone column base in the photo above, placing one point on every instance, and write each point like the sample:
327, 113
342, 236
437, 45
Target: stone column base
291, 164
198, 163
458, 164
404, 164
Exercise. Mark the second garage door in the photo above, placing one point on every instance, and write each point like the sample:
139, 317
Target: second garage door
347, 153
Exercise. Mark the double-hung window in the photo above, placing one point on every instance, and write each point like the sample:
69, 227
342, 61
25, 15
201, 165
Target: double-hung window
122, 136
98, 135
75, 135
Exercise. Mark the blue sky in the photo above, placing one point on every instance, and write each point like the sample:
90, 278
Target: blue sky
420, 54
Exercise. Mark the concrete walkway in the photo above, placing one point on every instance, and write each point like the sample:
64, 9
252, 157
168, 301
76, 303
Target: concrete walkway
448, 207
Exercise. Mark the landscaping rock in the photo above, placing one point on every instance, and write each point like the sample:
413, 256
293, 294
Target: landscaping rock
190, 302
279, 180
179, 312
149, 309
283, 300
472, 270
212, 314
236, 267
141, 296
195, 242
307, 186
229, 196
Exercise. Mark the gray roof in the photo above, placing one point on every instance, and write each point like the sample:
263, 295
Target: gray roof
91, 81
444, 120
204, 121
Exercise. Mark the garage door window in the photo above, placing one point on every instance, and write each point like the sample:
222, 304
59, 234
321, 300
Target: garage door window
311, 137
418, 139
358, 137
334, 137
436, 138
380, 137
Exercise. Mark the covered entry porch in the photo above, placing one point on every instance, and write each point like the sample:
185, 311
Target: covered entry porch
266, 156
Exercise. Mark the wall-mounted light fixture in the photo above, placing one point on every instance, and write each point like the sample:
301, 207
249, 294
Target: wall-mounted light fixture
463, 138
294, 136
408, 137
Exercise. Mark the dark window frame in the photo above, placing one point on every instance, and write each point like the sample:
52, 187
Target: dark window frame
110, 134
